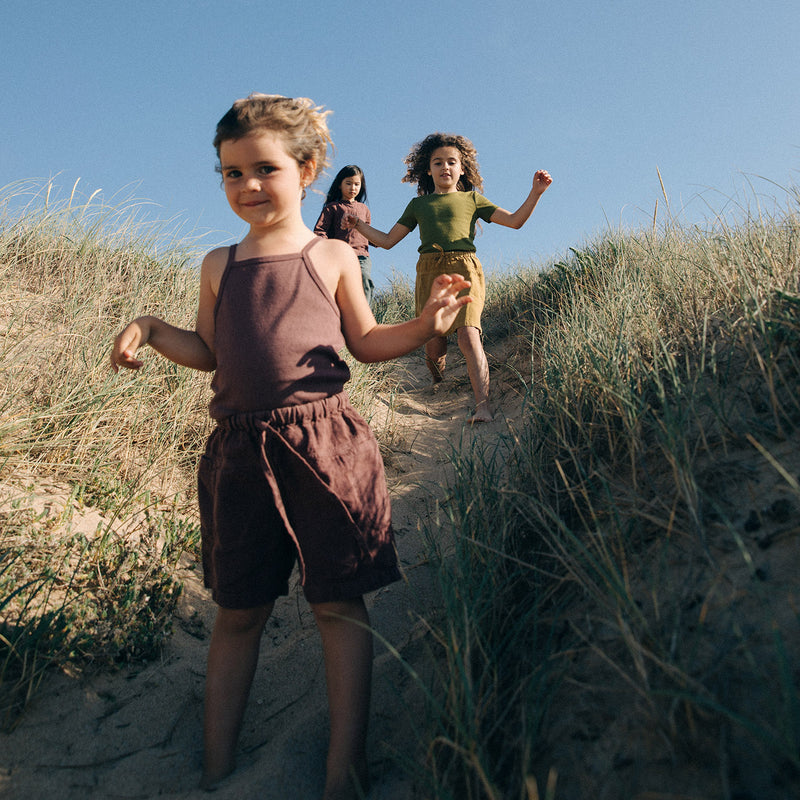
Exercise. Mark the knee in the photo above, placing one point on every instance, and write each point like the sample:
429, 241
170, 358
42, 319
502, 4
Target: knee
242, 621
469, 339
340, 611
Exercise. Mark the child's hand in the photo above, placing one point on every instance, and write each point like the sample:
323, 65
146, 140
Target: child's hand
541, 180
443, 304
125, 346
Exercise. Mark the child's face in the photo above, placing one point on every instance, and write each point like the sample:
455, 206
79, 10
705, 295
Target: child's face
445, 169
263, 183
350, 187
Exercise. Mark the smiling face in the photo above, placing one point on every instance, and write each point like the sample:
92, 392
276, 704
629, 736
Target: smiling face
263, 183
350, 187
445, 169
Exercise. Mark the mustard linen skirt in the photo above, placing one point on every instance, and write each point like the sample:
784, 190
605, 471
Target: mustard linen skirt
459, 262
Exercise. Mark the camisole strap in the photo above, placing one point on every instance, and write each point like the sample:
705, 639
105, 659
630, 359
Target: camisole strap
310, 244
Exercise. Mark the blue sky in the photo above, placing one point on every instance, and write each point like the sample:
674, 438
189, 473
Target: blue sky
124, 97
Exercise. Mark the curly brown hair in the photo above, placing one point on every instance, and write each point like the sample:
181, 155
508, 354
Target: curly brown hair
418, 162
301, 123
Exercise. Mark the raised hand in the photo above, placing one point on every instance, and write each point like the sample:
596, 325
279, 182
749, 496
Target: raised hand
541, 180
443, 303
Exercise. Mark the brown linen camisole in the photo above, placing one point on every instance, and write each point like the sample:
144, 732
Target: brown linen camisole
277, 335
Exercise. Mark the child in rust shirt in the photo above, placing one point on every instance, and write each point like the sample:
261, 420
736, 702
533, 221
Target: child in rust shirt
348, 196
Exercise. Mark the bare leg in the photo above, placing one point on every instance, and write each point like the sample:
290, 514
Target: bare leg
232, 659
347, 647
435, 355
469, 340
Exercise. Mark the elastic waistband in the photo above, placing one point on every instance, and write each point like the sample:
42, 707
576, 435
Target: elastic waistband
441, 260
447, 254
287, 415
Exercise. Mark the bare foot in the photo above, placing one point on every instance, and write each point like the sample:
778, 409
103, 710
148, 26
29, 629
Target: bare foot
210, 782
483, 413
355, 787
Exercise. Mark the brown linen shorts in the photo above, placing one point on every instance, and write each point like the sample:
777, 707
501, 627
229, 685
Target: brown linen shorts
303, 483
463, 263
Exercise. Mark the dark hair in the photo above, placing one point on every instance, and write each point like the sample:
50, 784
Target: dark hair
418, 162
297, 119
335, 192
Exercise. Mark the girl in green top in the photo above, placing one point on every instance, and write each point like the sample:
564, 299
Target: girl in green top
445, 168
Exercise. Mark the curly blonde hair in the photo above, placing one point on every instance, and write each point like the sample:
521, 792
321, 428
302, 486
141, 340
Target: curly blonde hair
302, 124
418, 162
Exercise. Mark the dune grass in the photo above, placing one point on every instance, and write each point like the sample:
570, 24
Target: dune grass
100, 589
620, 604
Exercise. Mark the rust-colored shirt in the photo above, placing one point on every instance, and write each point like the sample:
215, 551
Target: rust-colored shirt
277, 335
329, 225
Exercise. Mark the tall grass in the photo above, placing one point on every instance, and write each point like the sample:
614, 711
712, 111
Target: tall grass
75, 438
72, 275
619, 584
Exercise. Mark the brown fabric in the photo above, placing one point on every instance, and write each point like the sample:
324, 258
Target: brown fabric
460, 262
330, 224
278, 335
301, 483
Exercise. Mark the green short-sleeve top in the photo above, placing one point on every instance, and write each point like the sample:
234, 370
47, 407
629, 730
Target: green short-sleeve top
447, 220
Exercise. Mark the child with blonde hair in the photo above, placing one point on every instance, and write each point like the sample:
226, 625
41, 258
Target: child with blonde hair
444, 167
291, 473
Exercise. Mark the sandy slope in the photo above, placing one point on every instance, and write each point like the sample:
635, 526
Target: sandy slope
137, 733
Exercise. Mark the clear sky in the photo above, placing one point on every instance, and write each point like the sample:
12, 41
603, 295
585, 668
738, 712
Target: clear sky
125, 97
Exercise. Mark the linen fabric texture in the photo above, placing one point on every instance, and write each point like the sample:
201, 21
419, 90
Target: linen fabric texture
277, 337
291, 472
329, 224
303, 483
447, 221
430, 265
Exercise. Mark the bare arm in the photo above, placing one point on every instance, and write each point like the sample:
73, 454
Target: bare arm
182, 346
370, 342
185, 347
541, 180
386, 241
377, 342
